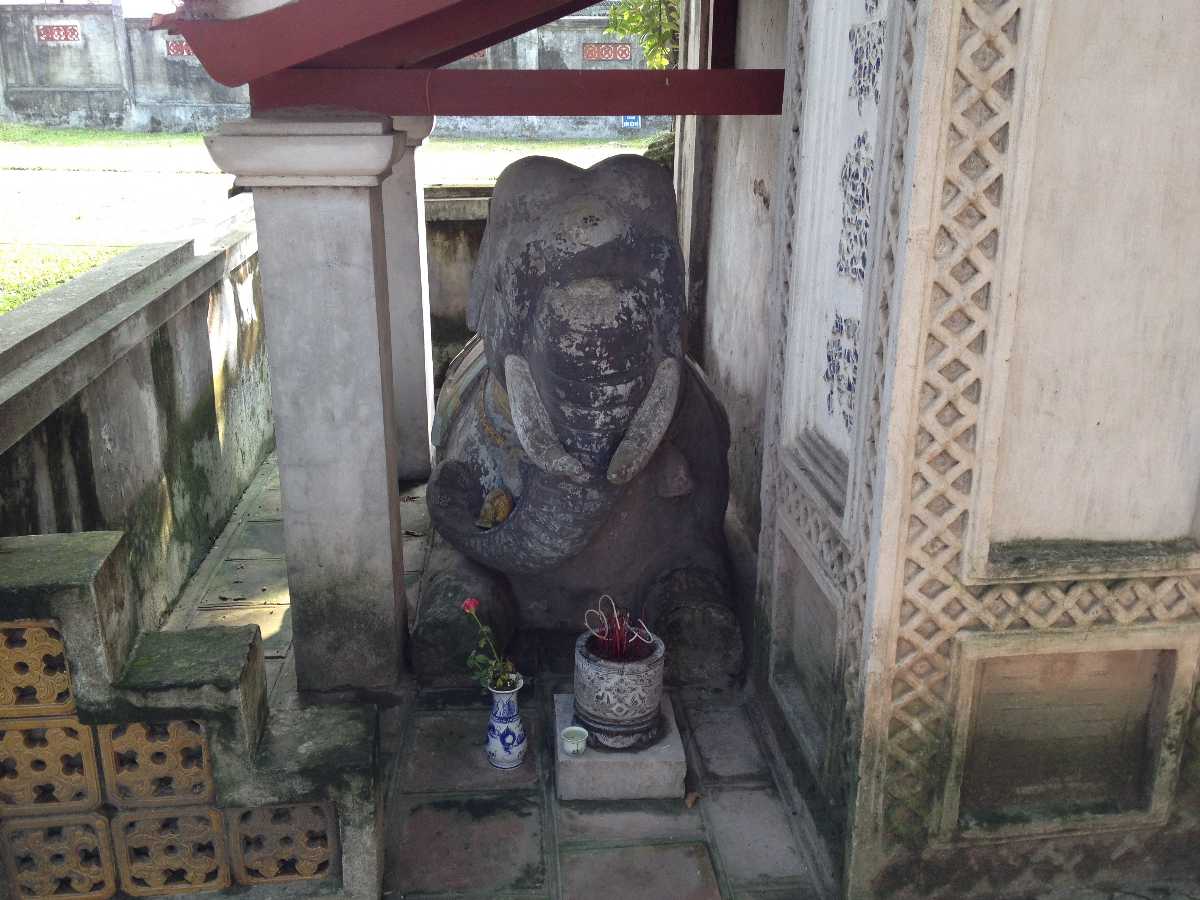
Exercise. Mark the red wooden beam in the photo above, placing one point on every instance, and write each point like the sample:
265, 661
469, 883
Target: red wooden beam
504, 92
235, 51
445, 37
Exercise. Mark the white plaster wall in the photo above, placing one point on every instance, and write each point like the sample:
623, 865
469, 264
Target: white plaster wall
735, 328
1101, 432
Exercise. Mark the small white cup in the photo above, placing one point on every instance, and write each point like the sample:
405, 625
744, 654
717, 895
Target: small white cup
574, 740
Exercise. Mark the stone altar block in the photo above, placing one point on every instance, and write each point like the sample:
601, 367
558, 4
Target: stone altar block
655, 773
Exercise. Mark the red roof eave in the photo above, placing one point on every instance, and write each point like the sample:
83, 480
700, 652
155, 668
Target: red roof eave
238, 51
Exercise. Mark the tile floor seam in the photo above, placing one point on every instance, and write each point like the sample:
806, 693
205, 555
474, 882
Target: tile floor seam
551, 847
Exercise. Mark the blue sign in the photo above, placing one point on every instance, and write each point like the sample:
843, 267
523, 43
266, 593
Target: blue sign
631, 121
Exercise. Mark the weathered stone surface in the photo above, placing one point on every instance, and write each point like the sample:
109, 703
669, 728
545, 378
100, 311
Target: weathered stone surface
241, 581
490, 844
725, 741
751, 831
443, 635
204, 672
628, 820
446, 753
258, 540
657, 772
274, 622
579, 404
320, 753
681, 872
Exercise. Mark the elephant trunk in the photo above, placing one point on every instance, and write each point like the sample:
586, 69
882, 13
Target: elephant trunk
554, 519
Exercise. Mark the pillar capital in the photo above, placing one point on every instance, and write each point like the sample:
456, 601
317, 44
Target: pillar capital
414, 128
308, 149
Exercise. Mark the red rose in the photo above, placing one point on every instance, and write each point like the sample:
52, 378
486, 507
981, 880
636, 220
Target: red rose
470, 605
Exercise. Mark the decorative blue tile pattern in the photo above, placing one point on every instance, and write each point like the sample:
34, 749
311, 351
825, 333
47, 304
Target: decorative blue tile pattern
866, 50
841, 368
856, 210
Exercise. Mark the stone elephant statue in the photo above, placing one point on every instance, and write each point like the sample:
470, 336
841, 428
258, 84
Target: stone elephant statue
579, 452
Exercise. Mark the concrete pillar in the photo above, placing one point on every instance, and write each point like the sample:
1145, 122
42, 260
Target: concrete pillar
322, 246
408, 291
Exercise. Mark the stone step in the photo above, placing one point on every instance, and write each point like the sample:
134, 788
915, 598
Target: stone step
78, 586
216, 674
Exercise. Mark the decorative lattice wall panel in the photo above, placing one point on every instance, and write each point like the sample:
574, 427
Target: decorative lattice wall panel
47, 766
176, 851
156, 764
34, 680
59, 856
272, 844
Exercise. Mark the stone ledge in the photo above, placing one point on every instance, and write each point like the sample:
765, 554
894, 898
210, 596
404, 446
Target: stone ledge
654, 773
81, 581
36, 387
214, 673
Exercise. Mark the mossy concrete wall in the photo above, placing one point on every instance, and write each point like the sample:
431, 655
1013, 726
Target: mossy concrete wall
160, 444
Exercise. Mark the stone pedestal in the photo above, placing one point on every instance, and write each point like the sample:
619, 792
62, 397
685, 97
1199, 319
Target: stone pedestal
318, 204
408, 300
655, 773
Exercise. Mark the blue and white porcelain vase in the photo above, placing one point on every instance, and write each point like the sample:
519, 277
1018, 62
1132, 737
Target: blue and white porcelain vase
506, 732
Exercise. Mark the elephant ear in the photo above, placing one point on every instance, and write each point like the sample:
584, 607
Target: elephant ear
649, 425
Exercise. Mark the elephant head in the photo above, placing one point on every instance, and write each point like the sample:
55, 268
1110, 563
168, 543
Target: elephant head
578, 297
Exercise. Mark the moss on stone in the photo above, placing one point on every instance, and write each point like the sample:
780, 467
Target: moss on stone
1033, 558
163, 660
43, 564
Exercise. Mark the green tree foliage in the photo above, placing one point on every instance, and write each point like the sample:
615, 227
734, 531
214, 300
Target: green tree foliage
655, 23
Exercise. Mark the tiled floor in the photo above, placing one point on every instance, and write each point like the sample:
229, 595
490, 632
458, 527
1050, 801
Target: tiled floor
459, 828
456, 827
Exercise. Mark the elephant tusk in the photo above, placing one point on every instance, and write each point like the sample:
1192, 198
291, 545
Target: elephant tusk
532, 422
649, 425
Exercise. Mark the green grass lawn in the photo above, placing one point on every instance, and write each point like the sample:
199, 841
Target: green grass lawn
76, 137
82, 137
27, 270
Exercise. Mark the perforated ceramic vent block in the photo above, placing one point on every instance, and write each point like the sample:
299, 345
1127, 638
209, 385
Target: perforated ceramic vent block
171, 851
156, 764
47, 766
34, 680
273, 844
60, 856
